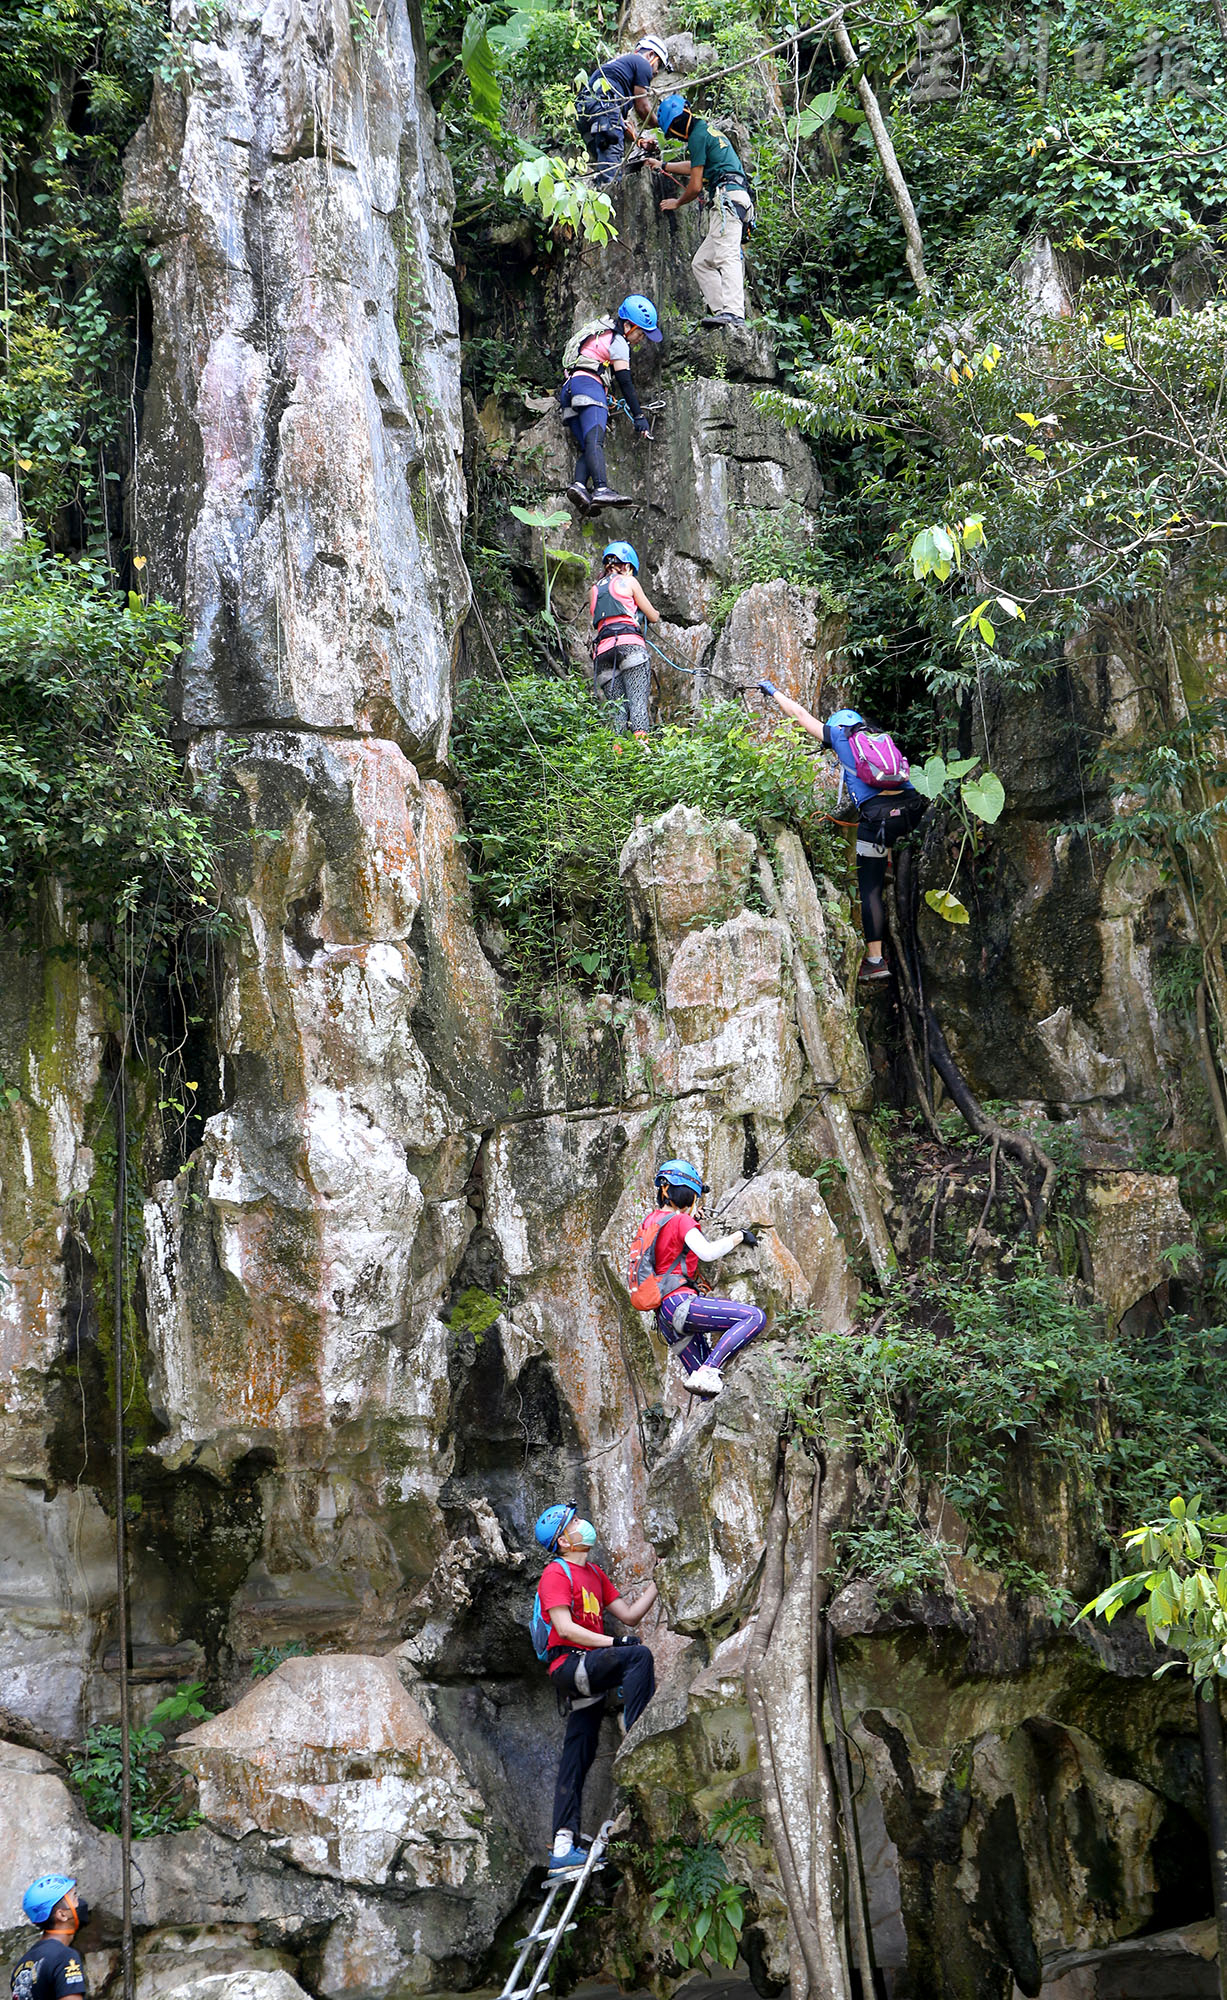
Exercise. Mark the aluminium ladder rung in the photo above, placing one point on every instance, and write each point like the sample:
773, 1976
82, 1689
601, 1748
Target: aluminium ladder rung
544, 1938
533, 1937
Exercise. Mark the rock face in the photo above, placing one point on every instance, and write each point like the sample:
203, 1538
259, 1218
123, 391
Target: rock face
300, 208
382, 1306
335, 1763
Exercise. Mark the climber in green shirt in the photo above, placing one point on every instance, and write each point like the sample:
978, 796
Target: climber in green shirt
712, 169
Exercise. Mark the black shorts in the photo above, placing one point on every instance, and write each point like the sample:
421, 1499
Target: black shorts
885, 819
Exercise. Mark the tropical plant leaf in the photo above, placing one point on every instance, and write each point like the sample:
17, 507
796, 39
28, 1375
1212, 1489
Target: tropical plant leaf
947, 906
984, 796
477, 57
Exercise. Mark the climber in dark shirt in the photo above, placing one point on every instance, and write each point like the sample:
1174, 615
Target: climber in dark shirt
52, 1967
617, 87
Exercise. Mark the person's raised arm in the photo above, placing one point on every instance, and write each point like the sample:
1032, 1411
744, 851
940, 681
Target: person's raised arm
709, 1250
637, 1609
794, 709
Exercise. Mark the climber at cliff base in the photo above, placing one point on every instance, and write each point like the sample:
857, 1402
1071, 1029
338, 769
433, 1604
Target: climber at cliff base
713, 1329
712, 170
595, 353
619, 659
876, 773
611, 92
584, 1661
52, 1966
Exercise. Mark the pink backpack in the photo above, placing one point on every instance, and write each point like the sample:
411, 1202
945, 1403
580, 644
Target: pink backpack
878, 759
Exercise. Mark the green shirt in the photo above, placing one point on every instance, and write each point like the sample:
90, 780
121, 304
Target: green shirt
711, 151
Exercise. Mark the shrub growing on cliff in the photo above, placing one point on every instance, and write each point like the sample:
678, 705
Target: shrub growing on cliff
93, 798
955, 1381
158, 1804
551, 798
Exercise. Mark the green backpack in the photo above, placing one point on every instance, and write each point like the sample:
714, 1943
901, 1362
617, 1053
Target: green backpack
570, 353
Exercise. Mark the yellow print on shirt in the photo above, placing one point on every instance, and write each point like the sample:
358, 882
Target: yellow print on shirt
591, 1605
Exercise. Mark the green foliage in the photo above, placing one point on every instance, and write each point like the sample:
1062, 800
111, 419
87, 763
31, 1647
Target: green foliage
955, 1378
699, 1908
91, 792
519, 76
475, 1311
779, 545
1181, 1592
266, 1659
565, 199
551, 798
156, 1788
74, 82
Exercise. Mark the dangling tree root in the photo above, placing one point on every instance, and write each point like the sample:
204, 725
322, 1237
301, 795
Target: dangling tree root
1018, 1145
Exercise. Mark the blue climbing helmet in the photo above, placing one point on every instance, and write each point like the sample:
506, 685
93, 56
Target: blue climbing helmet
680, 1173
42, 1896
668, 109
847, 718
553, 1524
642, 313
620, 552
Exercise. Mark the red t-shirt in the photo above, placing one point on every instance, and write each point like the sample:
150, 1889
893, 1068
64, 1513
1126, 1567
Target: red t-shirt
669, 1245
585, 1597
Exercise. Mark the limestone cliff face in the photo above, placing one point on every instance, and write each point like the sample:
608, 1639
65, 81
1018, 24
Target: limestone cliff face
331, 1459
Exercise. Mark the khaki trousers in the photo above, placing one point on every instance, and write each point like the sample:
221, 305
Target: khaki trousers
718, 266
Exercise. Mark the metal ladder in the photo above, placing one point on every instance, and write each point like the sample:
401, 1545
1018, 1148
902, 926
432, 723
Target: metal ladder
550, 1926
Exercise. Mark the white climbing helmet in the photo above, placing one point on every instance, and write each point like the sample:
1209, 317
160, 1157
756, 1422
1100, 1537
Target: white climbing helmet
651, 45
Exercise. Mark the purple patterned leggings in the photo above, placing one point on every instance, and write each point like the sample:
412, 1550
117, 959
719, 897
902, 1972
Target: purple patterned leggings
733, 1325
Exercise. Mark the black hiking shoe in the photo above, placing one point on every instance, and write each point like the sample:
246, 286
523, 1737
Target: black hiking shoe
722, 319
606, 497
872, 970
578, 496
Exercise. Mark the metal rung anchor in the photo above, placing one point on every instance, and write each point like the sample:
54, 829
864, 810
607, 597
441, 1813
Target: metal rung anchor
544, 1938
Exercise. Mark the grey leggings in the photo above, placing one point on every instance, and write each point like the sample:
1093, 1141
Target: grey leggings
623, 682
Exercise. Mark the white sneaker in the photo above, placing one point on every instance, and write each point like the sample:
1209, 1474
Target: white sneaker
704, 1382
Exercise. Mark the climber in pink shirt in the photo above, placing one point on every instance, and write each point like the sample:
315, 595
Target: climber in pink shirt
619, 656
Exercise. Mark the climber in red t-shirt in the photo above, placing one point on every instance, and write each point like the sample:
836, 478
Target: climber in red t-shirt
683, 1314
584, 1662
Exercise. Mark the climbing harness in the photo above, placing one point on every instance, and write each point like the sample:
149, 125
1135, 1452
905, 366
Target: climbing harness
550, 1926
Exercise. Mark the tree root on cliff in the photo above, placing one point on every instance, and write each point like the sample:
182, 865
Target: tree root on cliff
1018, 1145
809, 1894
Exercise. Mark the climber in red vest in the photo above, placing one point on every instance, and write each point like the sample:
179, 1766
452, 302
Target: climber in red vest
619, 657
714, 1329
584, 1661
876, 774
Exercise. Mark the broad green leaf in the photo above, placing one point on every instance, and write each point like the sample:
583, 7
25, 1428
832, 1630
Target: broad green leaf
478, 59
947, 906
987, 631
960, 766
930, 779
984, 796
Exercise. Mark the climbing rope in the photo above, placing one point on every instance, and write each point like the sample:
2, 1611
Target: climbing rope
697, 673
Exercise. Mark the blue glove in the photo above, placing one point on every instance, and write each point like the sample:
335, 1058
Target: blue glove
767, 687
642, 426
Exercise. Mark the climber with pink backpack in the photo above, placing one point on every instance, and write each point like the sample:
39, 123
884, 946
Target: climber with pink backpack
875, 771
